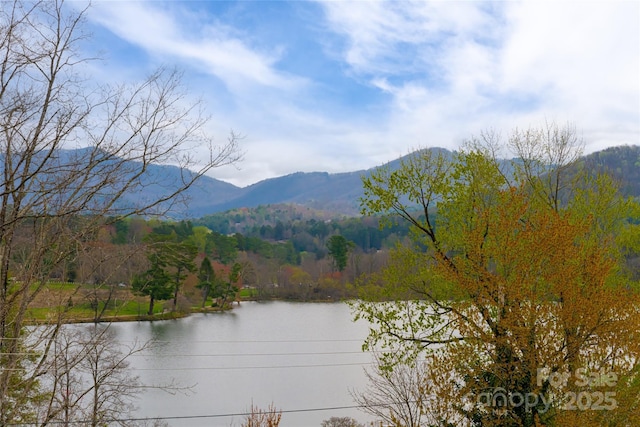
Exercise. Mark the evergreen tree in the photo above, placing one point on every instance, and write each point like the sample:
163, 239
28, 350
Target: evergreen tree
339, 248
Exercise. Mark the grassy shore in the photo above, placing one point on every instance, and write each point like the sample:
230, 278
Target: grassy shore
83, 303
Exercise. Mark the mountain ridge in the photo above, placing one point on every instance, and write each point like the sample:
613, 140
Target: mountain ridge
332, 192
340, 192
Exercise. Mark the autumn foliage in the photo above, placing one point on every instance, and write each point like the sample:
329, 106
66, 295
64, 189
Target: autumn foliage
515, 289
269, 417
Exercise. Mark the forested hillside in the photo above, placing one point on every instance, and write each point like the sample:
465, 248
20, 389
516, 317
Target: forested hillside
340, 193
280, 251
282, 246
333, 194
622, 162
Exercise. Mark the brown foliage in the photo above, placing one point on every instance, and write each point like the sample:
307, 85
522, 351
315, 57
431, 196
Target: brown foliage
263, 418
518, 286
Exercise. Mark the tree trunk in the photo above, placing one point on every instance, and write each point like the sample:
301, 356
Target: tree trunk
176, 289
205, 295
151, 301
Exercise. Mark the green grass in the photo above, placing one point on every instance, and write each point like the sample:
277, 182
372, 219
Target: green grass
75, 305
64, 286
248, 293
84, 312
131, 307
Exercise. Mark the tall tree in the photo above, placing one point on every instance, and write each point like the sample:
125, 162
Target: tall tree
52, 199
515, 279
222, 291
206, 279
221, 247
169, 258
156, 282
339, 247
182, 263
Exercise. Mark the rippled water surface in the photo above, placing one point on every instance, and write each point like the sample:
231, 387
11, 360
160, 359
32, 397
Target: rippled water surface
303, 357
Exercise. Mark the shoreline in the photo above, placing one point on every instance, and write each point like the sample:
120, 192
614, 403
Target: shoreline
169, 315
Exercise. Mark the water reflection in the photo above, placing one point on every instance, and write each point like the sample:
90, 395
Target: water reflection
299, 356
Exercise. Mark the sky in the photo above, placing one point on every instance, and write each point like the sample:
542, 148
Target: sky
341, 86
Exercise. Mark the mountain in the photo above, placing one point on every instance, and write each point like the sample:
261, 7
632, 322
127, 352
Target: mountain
316, 190
622, 162
338, 193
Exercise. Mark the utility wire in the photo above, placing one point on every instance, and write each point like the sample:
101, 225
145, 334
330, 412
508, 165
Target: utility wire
152, 341
360, 340
235, 368
311, 353
228, 368
210, 416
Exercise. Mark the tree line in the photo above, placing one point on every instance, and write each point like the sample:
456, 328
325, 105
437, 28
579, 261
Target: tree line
54, 201
163, 255
517, 304
307, 230
513, 289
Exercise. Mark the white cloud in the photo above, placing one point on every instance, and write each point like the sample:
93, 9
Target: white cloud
501, 65
583, 61
399, 37
209, 46
440, 71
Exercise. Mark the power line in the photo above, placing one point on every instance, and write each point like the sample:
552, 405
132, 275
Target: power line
153, 342
318, 353
235, 368
360, 340
229, 368
210, 416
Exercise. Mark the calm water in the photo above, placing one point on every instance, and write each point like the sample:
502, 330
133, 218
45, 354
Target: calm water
303, 357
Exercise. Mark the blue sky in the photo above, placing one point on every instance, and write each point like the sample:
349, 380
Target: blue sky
340, 86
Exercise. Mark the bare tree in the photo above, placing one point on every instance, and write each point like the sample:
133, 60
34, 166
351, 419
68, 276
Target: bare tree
263, 418
396, 395
548, 155
341, 422
104, 266
88, 380
69, 154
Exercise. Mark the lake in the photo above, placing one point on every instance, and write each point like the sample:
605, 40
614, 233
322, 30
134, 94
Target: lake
302, 357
